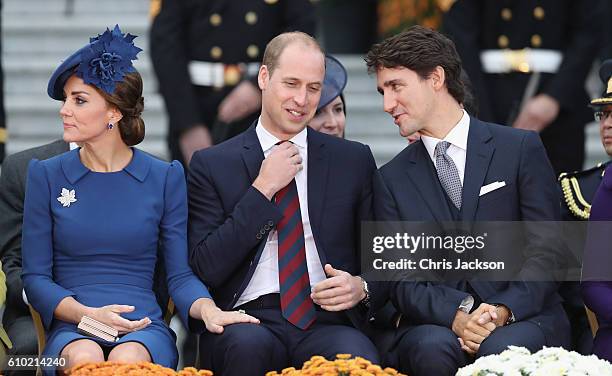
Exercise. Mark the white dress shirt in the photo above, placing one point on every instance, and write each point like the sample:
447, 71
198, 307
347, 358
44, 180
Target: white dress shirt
457, 137
265, 279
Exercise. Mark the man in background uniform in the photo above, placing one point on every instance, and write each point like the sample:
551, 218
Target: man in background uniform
206, 56
528, 60
579, 188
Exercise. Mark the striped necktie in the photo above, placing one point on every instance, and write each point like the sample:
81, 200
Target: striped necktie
296, 304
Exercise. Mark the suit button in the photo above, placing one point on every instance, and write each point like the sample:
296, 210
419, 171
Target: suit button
270, 223
262, 232
503, 41
258, 236
216, 52
266, 227
506, 14
236, 294
251, 18
538, 13
215, 19
536, 40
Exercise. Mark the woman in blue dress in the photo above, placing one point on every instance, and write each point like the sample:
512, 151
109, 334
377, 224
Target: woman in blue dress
95, 216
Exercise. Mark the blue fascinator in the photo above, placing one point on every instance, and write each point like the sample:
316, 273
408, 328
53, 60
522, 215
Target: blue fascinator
334, 81
102, 63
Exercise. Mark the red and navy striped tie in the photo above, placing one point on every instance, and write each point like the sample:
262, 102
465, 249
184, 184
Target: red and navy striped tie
296, 304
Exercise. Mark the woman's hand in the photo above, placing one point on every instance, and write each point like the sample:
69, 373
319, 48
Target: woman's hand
215, 319
111, 316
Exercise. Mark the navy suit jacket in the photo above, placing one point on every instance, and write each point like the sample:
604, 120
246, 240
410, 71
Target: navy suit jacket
229, 220
407, 189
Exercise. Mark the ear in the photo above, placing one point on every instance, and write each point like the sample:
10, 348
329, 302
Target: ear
114, 115
263, 77
438, 77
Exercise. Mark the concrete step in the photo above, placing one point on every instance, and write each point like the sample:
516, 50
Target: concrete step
34, 37
12, 8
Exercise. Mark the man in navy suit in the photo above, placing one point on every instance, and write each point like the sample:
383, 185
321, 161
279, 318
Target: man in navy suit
276, 211
467, 170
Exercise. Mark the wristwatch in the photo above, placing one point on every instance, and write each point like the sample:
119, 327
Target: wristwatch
366, 300
511, 318
466, 304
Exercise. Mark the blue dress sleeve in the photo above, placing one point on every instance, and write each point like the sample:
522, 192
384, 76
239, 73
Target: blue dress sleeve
37, 246
184, 287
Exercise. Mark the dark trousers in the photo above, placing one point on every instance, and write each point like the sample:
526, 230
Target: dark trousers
251, 349
434, 350
22, 333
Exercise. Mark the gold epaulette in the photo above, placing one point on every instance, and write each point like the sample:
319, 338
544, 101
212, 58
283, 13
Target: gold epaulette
572, 194
3, 135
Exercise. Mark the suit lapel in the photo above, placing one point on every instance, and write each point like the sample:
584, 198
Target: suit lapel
318, 166
420, 170
252, 155
479, 153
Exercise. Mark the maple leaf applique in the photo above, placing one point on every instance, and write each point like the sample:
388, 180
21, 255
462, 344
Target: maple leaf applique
67, 197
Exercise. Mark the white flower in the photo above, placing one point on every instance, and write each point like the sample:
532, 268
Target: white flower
67, 197
550, 361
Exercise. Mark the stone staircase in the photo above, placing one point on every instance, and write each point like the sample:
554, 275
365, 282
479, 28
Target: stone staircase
38, 34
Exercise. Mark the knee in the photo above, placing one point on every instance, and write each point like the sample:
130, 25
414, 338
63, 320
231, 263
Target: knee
491, 346
430, 350
246, 340
129, 352
82, 351
432, 341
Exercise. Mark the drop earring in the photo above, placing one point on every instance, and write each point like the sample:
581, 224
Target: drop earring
109, 126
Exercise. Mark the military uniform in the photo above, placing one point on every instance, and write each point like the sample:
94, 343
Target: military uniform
503, 43
202, 49
578, 190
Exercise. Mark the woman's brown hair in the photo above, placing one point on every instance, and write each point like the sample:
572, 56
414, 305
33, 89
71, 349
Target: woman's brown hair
127, 98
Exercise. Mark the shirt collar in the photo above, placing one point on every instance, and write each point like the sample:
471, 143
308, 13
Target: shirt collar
268, 140
74, 169
458, 136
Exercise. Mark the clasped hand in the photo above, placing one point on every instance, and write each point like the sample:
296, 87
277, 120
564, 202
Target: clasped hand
473, 328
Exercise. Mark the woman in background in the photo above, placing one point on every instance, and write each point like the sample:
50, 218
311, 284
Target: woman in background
330, 117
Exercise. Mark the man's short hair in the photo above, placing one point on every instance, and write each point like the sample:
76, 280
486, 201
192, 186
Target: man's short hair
420, 50
277, 45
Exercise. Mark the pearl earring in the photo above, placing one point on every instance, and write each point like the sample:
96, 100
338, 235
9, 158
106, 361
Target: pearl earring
110, 126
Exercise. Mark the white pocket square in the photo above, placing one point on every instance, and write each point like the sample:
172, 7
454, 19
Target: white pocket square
491, 187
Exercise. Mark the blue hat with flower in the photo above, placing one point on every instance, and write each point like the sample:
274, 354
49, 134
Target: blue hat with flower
102, 63
334, 81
